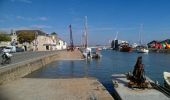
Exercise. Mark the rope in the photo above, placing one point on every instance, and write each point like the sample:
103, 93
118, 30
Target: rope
161, 89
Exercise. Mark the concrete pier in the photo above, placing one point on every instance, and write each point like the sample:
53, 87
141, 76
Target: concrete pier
126, 93
54, 89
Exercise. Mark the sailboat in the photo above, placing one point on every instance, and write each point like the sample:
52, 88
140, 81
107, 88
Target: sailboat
87, 52
142, 48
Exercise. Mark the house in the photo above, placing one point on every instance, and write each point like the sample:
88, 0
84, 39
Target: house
43, 41
61, 44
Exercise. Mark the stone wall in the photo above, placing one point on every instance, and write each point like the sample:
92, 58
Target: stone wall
14, 71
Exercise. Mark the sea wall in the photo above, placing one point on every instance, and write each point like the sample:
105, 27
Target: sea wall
17, 70
159, 50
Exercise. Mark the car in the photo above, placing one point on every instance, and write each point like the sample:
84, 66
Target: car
1, 48
8, 49
19, 49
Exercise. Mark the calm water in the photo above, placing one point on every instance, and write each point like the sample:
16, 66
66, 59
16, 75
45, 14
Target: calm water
111, 62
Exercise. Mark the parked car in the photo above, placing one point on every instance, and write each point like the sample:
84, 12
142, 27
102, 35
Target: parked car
18, 49
1, 49
9, 49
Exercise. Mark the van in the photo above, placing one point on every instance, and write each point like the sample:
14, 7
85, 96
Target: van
11, 49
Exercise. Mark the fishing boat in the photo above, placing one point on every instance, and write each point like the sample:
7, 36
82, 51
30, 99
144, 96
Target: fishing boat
125, 48
166, 76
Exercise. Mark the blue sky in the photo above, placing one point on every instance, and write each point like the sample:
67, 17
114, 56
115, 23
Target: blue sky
105, 18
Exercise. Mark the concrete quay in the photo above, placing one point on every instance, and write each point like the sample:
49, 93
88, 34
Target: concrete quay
54, 89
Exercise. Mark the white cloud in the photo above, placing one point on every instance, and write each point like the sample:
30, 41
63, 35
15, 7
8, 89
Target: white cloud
8, 29
24, 1
31, 18
42, 18
20, 17
40, 26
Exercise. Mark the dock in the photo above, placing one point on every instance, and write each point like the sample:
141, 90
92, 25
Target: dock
126, 93
54, 89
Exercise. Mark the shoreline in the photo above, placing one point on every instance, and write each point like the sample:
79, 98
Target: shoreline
153, 50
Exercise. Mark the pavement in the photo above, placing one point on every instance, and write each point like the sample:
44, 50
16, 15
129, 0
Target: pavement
62, 55
23, 56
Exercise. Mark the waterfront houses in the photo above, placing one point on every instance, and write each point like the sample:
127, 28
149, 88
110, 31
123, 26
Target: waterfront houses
42, 41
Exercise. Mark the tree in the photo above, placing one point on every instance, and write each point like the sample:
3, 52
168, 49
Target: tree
26, 36
54, 33
4, 37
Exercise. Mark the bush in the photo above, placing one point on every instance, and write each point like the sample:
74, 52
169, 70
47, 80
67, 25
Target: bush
4, 37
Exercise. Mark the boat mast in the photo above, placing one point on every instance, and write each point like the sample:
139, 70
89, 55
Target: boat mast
71, 38
85, 33
140, 34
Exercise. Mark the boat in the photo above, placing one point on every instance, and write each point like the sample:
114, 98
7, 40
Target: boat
125, 48
96, 54
87, 52
141, 48
166, 76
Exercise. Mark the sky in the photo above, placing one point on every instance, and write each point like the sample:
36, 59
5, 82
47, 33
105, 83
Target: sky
104, 18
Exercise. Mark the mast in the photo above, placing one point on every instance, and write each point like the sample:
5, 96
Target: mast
115, 39
116, 35
85, 33
140, 34
71, 38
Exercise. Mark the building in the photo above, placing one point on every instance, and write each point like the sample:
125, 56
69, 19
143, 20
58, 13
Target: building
116, 43
43, 41
61, 44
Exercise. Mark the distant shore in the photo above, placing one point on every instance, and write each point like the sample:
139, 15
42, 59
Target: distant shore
159, 50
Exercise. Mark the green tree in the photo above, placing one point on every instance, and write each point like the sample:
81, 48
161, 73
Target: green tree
4, 37
26, 36
54, 33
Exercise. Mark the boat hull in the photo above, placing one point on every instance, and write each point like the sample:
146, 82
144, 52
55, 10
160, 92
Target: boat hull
142, 50
126, 49
167, 79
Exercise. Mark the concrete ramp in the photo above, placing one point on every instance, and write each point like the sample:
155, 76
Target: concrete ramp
54, 89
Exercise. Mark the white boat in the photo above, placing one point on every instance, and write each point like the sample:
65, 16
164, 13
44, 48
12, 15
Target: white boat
87, 53
166, 76
142, 49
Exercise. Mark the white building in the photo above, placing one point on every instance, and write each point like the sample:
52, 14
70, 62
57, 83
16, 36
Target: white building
61, 44
45, 42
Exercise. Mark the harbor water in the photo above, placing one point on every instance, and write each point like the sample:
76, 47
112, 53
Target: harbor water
112, 62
